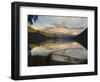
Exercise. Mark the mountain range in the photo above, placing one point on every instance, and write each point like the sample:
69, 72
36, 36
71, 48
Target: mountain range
42, 35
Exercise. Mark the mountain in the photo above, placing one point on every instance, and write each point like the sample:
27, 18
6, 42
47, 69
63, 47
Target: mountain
32, 30
82, 38
56, 31
37, 36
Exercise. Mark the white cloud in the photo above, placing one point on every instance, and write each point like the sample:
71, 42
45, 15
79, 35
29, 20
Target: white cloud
73, 22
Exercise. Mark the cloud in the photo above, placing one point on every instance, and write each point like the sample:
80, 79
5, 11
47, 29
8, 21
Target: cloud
73, 22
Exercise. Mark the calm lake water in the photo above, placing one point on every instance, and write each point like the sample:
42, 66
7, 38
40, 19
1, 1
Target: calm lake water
56, 52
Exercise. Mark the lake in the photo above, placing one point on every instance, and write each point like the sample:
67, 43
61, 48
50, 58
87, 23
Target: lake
56, 52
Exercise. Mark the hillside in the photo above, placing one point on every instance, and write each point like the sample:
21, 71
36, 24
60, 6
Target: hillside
82, 38
32, 30
37, 36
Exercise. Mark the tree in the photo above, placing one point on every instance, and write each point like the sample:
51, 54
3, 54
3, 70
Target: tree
32, 17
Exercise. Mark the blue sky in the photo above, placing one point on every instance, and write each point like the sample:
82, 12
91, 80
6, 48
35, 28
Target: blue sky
71, 22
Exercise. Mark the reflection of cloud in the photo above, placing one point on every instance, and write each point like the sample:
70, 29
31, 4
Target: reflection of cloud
40, 51
60, 46
77, 53
71, 49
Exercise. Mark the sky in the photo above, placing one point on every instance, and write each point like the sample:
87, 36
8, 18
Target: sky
45, 21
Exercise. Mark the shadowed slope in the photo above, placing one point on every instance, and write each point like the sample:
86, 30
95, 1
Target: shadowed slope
82, 38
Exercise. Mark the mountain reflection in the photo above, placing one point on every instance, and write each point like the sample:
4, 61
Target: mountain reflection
57, 40
59, 52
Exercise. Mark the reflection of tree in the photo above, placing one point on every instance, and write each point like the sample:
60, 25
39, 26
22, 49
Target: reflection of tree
32, 17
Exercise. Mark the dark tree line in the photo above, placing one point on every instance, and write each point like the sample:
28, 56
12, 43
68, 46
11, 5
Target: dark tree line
32, 17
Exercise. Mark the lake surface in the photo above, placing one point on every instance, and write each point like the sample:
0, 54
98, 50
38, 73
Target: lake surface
56, 52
